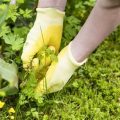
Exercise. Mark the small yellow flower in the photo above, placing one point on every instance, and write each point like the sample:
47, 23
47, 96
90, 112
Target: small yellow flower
11, 110
1, 104
12, 117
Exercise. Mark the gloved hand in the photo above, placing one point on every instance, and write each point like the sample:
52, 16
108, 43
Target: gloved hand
59, 72
47, 31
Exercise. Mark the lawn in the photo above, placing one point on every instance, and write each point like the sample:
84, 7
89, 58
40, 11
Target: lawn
93, 92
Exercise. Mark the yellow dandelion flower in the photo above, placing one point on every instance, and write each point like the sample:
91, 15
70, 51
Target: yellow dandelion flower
12, 117
1, 104
11, 110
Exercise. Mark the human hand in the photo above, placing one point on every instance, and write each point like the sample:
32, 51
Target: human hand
47, 31
59, 72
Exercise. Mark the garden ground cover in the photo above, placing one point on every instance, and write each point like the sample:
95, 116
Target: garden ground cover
93, 92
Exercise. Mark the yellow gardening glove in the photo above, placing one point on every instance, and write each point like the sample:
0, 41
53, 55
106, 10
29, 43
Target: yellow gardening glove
59, 72
47, 30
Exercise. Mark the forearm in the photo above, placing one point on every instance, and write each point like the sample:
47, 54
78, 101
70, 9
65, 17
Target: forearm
99, 25
13, 2
58, 4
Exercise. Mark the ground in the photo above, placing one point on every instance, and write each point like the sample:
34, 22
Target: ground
93, 92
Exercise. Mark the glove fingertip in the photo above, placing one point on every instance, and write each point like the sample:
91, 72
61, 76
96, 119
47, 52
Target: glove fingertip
35, 63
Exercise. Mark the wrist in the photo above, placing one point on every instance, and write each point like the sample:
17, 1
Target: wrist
57, 4
13, 2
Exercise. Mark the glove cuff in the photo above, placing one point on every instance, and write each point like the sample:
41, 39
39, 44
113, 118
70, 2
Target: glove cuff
52, 12
59, 4
73, 59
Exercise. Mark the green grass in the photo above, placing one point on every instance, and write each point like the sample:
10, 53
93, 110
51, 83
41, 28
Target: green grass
92, 93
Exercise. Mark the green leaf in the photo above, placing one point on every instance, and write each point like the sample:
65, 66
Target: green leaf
4, 30
12, 12
3, 13
25, 13
19, 31
20, 1
8, 72
14, 40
